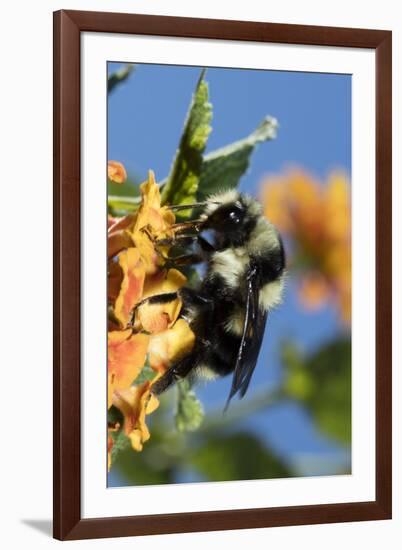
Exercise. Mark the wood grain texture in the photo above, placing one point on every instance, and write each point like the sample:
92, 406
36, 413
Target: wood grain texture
384, 274
68, 26
67, 235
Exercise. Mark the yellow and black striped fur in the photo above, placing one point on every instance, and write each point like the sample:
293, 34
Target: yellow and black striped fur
244, 280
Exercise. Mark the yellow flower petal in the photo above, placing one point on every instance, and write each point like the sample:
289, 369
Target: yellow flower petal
118, 241
163, 281
169, 346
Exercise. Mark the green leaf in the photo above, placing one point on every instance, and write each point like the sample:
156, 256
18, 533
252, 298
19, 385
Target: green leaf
123, 204
189, 413
119, 76
237, 456
123, 199
121, 443
182, 182
146, 374
322, 382
150, 466
223, 168
162, 455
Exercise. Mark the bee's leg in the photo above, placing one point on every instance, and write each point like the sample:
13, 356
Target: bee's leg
164, 298
191, 297
173, 374
184, 239
193, 225
170, 262
184, 259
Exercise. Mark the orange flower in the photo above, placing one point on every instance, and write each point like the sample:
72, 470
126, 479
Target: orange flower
135, 402
152, 221
313, 290
136, 272
126, 358
131, 286
158, 317
116, 171
140, 229
317, 218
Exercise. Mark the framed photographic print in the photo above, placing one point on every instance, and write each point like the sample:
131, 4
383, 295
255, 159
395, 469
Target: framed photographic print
222, 230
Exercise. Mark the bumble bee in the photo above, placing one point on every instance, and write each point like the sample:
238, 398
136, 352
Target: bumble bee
244, 279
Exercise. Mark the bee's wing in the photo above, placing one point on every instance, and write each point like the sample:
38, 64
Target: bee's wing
251, 339
253, 350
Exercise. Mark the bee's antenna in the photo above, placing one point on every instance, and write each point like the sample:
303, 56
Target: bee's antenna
188, 206
191, 224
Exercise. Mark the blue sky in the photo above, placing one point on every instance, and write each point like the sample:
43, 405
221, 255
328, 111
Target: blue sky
146, 116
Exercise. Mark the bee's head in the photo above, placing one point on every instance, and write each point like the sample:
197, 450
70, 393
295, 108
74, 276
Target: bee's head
232, 216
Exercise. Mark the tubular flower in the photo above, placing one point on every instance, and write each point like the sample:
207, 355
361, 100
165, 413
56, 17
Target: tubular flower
126, 358
155, 318
136, 272
170, 345
132, 284
317, 219
135, 402
116, 172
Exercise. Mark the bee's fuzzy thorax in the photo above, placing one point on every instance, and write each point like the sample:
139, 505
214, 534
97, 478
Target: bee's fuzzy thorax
263, 238
244, 280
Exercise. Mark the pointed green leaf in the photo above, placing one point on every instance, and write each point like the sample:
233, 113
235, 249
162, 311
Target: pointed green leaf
189, 413
182, 182
119, 76
223, 168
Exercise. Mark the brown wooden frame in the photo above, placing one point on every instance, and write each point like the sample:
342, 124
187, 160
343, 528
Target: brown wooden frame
68, 26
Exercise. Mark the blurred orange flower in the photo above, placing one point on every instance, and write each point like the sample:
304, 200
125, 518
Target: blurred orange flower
116, 172
135, 272
317, 218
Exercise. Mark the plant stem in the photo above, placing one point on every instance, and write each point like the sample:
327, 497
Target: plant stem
216, 419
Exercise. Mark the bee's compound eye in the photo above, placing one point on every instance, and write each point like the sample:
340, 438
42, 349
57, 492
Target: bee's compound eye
226, 218
234, 216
